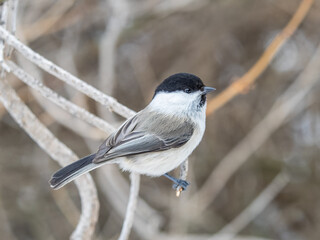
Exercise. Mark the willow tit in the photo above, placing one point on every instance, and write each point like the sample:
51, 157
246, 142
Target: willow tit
157, 139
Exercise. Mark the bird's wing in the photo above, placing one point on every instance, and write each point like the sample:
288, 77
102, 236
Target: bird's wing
145, 133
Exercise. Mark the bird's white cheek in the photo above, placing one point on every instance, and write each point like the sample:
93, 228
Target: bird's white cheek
172, 103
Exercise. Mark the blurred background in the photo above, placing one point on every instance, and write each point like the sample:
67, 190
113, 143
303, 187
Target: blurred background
125, 49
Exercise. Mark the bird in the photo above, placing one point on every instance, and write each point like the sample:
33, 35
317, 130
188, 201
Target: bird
155, 140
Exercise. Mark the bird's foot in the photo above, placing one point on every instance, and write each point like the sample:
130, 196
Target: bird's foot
180, 184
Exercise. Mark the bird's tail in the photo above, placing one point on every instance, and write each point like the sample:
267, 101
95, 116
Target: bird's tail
70, 172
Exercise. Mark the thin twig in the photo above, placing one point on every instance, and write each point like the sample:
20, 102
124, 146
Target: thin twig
205, 237
184, 170
107, 49
52, 146
3, 22
182, 175
13, 13
257, 206
59, 152
79, 13
131, 207
111, 103
80, 127
5, 228
245, 82
153, 225
289, 103
47, 21
147, 221
65, 104
48, 94
165, 8
68, 208
76, 125
107, 57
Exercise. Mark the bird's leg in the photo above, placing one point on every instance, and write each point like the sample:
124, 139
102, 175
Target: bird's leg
177, 182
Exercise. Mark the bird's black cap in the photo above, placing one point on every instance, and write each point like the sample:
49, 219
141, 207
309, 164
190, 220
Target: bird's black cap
180, 82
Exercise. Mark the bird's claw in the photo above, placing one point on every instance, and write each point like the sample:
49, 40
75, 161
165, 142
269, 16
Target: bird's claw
180, 184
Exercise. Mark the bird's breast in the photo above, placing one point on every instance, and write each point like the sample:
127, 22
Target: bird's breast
159, 163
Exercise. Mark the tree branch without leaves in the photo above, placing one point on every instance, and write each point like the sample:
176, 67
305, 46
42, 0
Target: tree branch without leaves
245, 82
128, 220
286, 106
65, 104
257, 206
111, 103
59, 152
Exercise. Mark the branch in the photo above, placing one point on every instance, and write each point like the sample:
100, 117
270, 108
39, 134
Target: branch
107, 57
205, 237
184, 170
14, 11
47, 21
111, 103
3, 19
165, 8
257, 206
114, 184
131, 207
5, 228
73, 109
244, 83
288, 104
65, 104
59, 152
183, 175
147, 221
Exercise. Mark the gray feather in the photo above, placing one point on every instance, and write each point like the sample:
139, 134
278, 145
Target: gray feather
145, 132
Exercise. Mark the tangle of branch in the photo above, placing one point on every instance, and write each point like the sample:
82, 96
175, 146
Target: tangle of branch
111, 103
286, 106
65, 104
245, 82
59, 152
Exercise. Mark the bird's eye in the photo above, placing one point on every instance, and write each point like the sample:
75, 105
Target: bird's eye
187, 90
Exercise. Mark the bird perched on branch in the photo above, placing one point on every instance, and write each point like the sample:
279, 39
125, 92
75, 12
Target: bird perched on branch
157, 139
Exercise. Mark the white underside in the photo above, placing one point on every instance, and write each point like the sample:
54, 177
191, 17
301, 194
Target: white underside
159, 163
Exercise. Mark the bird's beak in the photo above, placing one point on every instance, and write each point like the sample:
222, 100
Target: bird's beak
208, 89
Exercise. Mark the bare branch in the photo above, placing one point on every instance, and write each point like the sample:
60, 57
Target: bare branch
147, 220
244, 83
107, 56
205, 237
285, 107
59, 152
47, 21
5, 228
13, 14
183, 175
3, 19
165, 8
184, 169
67, 206
65, 104
257, 206
119, 185
131, 207
111, 103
